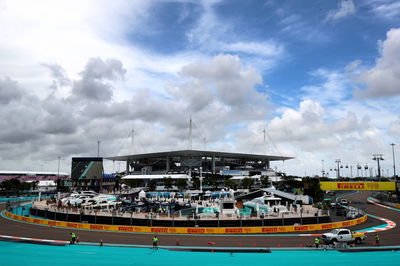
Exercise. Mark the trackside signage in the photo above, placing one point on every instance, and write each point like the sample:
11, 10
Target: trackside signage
358, 186
191, 230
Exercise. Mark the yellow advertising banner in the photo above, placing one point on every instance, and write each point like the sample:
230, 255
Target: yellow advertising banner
191, 230
358, 186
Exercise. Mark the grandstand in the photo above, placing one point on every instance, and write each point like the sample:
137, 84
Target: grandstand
26, 176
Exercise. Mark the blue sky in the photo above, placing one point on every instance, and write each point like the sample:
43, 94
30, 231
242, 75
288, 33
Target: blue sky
321, 77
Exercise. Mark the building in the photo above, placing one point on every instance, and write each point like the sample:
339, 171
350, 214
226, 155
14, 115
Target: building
87, 173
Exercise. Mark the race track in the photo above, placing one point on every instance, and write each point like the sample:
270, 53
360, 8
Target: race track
388, 237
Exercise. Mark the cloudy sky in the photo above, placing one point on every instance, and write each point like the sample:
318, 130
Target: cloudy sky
322, 78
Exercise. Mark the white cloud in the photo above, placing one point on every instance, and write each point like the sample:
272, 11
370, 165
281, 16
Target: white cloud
394, 128
211, 34
301, 29
9, 91
345, 9
383, 79
219, 93
333, 88
387, 9
311, 134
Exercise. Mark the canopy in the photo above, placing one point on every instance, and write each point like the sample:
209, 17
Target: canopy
243, 177
174, 176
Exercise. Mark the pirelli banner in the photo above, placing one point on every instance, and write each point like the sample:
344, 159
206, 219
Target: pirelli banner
358, 186
190, 230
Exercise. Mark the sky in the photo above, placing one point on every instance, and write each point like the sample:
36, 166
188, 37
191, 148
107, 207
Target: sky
317, 80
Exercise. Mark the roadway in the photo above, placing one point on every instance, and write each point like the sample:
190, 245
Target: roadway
387, 238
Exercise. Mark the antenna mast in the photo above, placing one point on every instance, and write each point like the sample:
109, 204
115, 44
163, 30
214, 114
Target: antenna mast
265, 141
190, 134
133, 140
98, 148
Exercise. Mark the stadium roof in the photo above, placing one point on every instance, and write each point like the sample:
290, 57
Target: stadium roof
196, 153
157, 176
33, 173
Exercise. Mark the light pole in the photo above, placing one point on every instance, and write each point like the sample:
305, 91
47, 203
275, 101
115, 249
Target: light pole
394, 162
377, 158
365, 171
201, 179
338, 167
98, 148
58, 168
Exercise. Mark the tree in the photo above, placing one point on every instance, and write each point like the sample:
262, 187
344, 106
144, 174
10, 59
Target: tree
168, 182
196, 183
181, 184
212, 182
289, 183
131, 182
265, 182
14, 185
152, 184
230, 184
247, 182
312, 188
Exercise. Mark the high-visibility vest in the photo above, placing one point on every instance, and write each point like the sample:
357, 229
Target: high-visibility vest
73, 235
155, 239
316, 241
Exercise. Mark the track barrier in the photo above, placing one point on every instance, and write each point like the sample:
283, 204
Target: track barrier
189, 230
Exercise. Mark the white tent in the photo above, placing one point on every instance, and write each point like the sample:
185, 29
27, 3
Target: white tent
142, 194
174, 176
243, 177
46, 184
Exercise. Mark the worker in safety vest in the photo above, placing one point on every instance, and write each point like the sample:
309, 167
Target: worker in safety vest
377, 239
316, 242
155, 240
73, 238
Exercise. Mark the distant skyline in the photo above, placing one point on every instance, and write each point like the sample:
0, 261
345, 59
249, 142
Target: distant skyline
320, 77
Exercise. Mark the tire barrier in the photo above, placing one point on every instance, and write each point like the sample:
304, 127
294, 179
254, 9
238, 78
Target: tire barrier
189, 230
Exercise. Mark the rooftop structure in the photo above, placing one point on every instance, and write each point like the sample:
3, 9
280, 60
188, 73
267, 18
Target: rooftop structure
33, 173
184, 161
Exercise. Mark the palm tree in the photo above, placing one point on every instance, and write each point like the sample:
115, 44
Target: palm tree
168, 182
230, 184
247, 182
152, 184
265, 182
181, 184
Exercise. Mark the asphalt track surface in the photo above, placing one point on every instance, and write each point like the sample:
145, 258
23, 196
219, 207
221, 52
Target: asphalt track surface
387, 238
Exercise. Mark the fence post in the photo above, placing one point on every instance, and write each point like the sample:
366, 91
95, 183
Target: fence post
301, 215
131, 217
